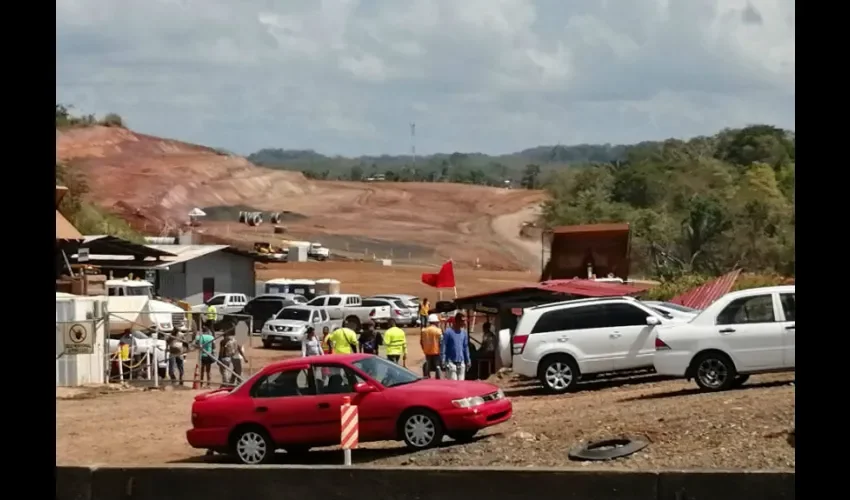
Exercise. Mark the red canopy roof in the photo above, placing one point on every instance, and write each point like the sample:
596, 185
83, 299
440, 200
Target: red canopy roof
577, 287
591, 288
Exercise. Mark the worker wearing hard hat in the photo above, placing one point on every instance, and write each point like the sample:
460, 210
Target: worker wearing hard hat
430, 339
343, 340
395, 341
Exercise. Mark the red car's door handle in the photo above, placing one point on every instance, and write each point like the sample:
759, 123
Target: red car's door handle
261, 409
324, 406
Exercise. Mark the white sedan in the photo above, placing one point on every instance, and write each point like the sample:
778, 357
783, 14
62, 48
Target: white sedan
743, 332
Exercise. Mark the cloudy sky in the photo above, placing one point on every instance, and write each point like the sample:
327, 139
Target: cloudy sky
349, 76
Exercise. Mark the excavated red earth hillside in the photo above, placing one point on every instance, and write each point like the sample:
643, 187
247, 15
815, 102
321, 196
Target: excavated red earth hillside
149, 180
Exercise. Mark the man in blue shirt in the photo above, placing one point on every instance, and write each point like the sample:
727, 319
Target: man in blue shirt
454, 349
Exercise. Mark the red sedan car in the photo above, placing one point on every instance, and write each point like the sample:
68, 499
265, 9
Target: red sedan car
295, 405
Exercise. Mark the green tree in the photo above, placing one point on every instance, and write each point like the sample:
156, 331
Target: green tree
356, 173
530, 177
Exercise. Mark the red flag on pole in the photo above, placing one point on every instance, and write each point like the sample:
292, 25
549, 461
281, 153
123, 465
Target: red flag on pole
443, 279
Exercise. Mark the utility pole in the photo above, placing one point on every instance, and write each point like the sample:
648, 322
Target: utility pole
413, 143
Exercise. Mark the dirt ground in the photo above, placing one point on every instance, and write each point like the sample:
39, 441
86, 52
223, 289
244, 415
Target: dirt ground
744, 428
153, 182
371, 278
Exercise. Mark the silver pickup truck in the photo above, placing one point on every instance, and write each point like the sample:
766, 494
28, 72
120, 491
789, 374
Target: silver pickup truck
288, 326
350, 308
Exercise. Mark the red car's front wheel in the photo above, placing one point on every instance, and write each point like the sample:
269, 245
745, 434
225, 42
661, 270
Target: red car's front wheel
421, 429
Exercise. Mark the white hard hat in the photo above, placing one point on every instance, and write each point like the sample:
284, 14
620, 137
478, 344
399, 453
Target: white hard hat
433, 318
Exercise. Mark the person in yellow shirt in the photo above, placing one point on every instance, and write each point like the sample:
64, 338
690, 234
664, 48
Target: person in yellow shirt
212, 316
430, 339
395, 342
343, 340
424, 309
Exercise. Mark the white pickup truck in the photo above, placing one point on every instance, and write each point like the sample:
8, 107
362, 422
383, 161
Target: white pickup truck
350, 308
225, 303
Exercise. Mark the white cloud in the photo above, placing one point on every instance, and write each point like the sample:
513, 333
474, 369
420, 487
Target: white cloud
348, 76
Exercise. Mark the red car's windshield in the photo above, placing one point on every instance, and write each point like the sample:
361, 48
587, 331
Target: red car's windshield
386, 372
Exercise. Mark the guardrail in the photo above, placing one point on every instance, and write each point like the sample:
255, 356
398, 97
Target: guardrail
409, 483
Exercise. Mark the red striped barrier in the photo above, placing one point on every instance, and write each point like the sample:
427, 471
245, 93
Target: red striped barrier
350, 432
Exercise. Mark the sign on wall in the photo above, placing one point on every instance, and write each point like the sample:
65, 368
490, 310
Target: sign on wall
78, 336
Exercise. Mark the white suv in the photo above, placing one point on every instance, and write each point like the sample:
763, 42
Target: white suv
559, 343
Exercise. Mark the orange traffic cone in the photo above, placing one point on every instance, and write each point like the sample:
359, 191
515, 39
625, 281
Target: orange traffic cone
195, 382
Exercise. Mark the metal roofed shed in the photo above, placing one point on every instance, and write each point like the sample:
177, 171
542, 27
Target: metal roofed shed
197, 272
192, 273
598, 249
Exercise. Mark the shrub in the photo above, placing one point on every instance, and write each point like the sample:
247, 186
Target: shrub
112, 120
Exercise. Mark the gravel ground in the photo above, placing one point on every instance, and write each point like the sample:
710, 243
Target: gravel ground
744, 428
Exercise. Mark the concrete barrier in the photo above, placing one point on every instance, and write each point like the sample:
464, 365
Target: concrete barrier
412, 483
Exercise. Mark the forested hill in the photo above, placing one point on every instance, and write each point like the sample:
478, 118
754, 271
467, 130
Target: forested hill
529, 168
474, 168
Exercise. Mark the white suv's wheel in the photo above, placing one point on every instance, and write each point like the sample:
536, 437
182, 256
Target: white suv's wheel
421, 429
559, 374
253, 447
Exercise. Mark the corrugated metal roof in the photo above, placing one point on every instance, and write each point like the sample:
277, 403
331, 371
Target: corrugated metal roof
185, 253
703, 295
102, 244
65, 230
592, 228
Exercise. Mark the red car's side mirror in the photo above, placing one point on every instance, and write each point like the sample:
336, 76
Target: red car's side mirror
363, 388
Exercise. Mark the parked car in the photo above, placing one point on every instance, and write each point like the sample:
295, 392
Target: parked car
673, 311
398, 311
263, 308
295, 405
742, 333
350, 308
225, 303
410, 301
562, 342
299, 299
288, 326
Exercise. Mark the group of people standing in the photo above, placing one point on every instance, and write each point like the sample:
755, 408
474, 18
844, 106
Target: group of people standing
345, 340
445, 351
230, 356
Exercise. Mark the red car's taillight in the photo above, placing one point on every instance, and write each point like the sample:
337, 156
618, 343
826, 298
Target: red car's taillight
519, 342
660, 345
195, 419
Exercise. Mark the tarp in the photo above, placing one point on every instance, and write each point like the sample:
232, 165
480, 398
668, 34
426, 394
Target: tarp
703, 295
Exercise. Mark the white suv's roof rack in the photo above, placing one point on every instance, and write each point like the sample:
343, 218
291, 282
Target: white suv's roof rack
583, 301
